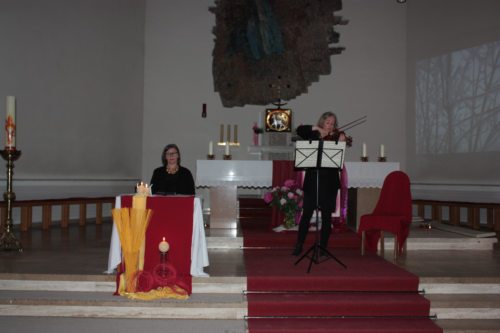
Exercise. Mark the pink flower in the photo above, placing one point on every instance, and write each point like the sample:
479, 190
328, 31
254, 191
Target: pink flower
268, 197
289, 183
283, 201
290, 195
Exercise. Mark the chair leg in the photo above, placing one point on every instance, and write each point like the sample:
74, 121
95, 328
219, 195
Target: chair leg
382, 243
363, 237
396, 248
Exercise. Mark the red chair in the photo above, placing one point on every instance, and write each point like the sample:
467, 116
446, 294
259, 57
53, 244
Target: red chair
392, 214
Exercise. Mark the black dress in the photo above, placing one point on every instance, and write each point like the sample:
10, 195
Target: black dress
329, 184
180, 182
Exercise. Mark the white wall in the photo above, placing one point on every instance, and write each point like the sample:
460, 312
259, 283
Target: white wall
367, 79
76, 68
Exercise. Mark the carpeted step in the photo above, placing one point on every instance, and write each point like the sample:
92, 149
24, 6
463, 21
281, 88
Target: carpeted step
338, 304
344, 325
275, 270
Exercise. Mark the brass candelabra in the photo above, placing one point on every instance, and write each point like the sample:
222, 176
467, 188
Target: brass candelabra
8, 241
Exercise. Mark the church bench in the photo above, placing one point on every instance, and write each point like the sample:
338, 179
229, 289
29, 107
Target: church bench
26, 207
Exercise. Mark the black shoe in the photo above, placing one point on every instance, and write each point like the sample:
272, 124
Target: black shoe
297, 250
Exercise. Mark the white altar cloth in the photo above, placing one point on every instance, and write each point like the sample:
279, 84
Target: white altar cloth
368, 174
234, 173
199, 252
260, 173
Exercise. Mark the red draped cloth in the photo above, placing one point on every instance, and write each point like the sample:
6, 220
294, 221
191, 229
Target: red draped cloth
283, 170
172, 218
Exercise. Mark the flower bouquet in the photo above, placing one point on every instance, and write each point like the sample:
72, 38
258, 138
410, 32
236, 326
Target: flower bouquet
288, 198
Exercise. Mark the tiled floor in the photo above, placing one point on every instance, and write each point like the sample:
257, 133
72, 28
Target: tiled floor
84, 251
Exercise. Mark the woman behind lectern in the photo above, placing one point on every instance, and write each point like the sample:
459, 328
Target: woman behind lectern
172, 178
329, 182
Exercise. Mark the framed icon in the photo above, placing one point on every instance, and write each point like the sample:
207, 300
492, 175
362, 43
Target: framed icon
278, 120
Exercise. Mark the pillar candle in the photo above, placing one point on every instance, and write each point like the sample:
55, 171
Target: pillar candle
364, 150
10, 123
228, 139
235, 134
226, 152
210, 148
221, 133
382, 151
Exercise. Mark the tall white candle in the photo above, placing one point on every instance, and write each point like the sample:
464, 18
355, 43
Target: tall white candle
210, 148
382, 151
10, 123
364, 150
227, 148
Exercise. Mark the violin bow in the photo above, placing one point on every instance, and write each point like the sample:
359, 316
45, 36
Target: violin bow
353, 123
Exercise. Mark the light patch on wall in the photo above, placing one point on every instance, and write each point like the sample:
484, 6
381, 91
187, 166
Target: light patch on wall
458, 101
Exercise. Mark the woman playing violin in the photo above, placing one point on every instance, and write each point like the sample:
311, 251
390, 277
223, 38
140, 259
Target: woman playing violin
329, 182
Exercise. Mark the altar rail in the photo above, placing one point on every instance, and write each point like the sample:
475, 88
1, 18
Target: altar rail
26, 207
454, 213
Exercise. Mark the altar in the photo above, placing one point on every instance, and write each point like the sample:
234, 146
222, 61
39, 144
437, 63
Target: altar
223, 177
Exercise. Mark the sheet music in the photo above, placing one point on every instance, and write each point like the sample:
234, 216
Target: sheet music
332, 154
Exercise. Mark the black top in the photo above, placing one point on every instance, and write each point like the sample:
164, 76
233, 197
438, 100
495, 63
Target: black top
180, 182
329, 180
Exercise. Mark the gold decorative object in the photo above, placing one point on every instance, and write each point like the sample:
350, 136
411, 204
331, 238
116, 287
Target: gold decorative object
227, 157
210, 157
364, 158
278, 120
8, 241
382, 159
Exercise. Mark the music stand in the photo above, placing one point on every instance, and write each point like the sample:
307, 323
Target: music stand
319, 155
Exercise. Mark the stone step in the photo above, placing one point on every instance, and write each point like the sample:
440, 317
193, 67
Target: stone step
105, 305
469, 325
212, 298
106, 283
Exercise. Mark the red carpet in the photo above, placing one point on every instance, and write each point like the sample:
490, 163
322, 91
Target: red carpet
371, 295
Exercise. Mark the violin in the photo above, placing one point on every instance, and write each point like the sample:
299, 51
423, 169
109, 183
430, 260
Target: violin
335, 135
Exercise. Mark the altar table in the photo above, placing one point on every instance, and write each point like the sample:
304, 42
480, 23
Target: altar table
199, 252
224, 177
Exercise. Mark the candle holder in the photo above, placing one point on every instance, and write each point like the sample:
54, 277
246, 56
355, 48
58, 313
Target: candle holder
8, 241
210, 157
227, 157
364, 158
382, 159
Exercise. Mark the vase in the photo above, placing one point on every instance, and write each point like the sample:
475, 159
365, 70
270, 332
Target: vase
289, 220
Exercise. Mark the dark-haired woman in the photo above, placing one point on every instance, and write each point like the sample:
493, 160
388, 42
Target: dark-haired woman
172, 178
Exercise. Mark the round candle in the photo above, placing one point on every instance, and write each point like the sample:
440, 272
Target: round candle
382, 151
227, 148
210, 148
364, 150
163, 246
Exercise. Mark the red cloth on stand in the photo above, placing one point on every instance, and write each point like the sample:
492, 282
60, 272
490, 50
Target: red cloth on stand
392, 213
283, 170
172, 218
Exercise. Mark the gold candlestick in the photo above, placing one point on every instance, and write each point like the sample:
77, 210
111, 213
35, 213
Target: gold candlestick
8, 241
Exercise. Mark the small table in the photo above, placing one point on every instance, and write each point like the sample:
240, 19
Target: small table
199, 252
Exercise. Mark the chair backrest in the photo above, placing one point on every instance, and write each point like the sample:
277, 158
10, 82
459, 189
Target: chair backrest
395, 196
